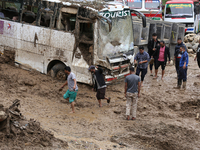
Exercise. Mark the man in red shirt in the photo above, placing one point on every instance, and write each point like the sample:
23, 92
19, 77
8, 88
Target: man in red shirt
161, 54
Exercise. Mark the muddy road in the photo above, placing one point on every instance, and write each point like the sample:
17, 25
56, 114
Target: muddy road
166, 117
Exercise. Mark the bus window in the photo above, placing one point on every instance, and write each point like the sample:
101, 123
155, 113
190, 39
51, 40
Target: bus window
10, 11
29, 14
152, 4
134, 4
86, 31
67, 19
1, 11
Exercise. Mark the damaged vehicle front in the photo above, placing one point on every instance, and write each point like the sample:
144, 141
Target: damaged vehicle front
115, 45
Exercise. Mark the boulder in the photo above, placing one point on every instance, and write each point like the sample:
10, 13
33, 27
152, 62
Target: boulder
195, 46
185, 39
190, 39
3, 116
188, 45
196, 39
190, 51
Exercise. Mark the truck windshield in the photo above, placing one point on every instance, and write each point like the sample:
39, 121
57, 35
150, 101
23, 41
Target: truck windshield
152, 4
134, 4
119, 39
179, 10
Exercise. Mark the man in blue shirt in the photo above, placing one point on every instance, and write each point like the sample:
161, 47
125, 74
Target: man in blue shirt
142, 59
183, 65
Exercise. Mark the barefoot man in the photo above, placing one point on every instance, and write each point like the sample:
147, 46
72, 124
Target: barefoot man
162, 53
100, 85
132, 92
72, 87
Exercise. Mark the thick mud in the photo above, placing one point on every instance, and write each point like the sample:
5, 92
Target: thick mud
167, 118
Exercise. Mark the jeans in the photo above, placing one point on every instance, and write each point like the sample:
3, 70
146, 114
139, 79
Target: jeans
143, 73
182, 74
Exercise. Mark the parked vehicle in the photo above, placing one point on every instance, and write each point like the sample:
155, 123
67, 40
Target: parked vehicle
183, 11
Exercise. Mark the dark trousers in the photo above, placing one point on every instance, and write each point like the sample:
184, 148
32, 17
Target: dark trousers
182, 74
177, 61
151, 65
143, 73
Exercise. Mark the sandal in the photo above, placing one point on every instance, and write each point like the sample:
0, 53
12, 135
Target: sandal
108, 101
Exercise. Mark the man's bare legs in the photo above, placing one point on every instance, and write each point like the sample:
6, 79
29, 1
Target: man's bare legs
72, 105
163, 72
100, 105
156, 74
108, 101
141, 84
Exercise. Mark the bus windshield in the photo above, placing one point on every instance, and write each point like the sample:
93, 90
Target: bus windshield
179, 10
120, 38
152, 4
134, 4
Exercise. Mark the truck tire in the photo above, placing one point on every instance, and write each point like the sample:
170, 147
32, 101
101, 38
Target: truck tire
57, 72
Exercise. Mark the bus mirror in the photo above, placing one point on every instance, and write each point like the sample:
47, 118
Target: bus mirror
144, 21
140, 15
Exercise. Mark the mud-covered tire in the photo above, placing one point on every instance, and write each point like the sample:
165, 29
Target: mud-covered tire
57, 72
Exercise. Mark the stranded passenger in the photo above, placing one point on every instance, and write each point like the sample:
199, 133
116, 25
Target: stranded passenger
152, 45
100, 85
177, 54
72, 87
198, 56
162, 53
142, 57
132, 92
183, 66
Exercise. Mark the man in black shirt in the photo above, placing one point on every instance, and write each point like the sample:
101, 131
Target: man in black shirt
198, 56
152, 46
100, 85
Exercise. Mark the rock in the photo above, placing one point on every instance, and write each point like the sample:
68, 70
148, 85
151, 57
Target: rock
117, 111
196, 83
185, 39
3, 116
190, 51
190, 39
195, 46
29, 82
23, 89
191, 55
188, 45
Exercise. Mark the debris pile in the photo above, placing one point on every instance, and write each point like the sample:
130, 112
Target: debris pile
192, 42
19, 133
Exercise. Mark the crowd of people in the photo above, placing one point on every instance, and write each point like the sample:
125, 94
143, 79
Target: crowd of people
158, 55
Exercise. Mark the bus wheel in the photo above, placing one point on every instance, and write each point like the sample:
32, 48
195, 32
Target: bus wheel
57, 71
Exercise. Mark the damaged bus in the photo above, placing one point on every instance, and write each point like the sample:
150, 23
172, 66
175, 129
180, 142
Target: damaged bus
47, 35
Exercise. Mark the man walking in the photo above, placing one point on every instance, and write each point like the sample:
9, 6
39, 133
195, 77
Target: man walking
183, 66
152, 46
100, 85
197, 57
177, 54
162, 53
142, 59
132, 92
72, 87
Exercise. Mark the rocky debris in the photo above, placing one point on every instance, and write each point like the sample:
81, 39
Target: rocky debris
17, 132
191, 41
8, 56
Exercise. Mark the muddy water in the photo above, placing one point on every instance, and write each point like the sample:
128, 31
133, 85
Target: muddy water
165, 116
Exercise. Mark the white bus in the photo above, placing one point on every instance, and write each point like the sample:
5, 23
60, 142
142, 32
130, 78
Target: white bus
184, 11
48, 35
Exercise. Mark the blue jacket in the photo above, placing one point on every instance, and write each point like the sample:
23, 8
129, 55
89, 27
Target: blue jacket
184, 58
